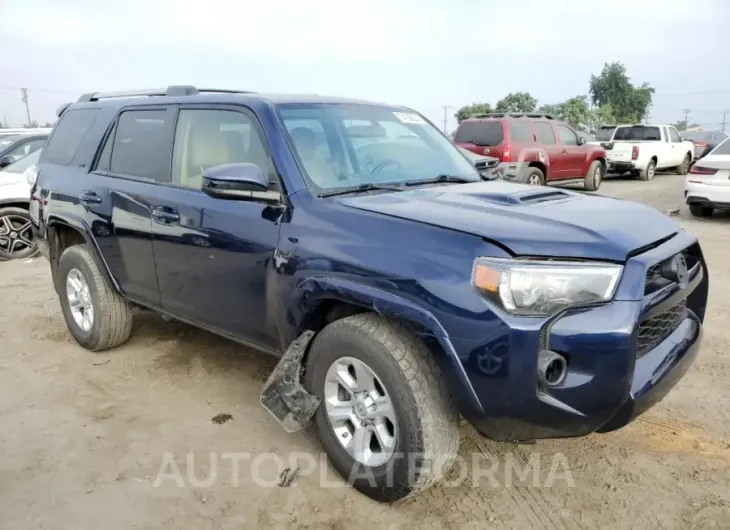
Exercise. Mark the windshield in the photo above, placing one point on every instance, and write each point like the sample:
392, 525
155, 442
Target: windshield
637, 132
6, 141
484, 133
604, 134
339, 146
24, 163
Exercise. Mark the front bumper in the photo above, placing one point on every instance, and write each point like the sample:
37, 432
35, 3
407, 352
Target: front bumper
608, 382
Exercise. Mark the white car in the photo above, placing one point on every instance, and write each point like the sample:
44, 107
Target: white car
707, 187
644, 149
16, 237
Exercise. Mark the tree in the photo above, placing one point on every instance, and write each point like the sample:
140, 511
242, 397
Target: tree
603, 115
469, 110
613, 87
517, 102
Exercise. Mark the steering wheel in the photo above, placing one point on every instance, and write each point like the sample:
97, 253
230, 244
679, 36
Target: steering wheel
385, 163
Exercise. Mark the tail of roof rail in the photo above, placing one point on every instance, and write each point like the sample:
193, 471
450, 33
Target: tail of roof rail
170, 91
514, 115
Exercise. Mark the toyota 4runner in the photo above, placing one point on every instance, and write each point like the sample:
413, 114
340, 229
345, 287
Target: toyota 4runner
353, 240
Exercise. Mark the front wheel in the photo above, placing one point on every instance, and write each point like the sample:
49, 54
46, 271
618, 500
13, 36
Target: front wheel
97, 317
386, 420
683, 168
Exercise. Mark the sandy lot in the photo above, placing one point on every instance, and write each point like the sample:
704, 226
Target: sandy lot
84, 437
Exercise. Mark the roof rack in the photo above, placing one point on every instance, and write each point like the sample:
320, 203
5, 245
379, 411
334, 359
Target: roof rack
514, 115
171, 91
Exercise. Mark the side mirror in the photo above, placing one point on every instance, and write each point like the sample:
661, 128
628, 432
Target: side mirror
240, 182
6, 161
581, 140
682, 139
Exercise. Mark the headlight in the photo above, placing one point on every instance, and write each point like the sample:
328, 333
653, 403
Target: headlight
541, 288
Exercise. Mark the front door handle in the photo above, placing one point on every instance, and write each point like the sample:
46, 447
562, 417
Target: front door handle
165, 215
565, 151
89, 197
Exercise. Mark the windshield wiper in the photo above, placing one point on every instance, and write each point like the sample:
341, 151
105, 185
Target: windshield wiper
439, 178
360, 188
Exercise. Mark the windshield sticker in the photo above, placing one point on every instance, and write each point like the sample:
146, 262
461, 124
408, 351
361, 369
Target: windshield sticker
409, 117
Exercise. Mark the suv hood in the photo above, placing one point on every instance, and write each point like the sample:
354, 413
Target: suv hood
529, 221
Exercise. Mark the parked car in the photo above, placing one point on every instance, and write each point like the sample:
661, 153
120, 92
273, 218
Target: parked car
486, 165
704, 141
16, 236
15, 147
643, 149
533, 148
399, 289
707, 187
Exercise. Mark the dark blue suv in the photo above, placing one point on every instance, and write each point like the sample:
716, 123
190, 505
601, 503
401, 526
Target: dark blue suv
351, 239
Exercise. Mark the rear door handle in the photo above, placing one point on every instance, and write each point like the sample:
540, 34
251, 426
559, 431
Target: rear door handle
165, 215
89, 197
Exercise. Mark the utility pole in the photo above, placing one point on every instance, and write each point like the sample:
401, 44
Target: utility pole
724, 115
446, 110
686, 117
24, 99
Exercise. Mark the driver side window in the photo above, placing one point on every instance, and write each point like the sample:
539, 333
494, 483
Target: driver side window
674, 135
567, 136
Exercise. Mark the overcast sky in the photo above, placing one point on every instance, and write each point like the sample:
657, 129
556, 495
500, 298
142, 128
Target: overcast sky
419, 53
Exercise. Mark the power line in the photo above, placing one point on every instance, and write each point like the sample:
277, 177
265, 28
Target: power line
705, 93
51, 90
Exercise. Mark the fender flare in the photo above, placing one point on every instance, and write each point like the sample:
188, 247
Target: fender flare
310, 293
80, 226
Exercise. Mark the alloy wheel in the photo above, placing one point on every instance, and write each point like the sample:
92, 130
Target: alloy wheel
360, 412
534, 180
16, 237
79, 300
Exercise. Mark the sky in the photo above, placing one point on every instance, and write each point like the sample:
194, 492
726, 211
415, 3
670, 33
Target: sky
424, 54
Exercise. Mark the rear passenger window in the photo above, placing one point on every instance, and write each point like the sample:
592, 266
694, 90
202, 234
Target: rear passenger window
206, 138
544, 133
567, 136
139, 145
68, 135
520, 132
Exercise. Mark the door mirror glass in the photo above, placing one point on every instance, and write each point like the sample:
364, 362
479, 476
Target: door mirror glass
581, 140
240, 181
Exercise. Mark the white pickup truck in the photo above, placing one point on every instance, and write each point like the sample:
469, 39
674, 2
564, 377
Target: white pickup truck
644, 149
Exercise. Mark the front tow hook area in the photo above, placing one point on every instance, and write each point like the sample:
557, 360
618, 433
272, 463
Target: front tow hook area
283, 395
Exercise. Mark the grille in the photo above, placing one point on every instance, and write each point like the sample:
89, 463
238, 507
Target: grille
654, 278
656, 329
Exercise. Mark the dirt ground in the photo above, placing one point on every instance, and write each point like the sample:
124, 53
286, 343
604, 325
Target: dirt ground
97, 440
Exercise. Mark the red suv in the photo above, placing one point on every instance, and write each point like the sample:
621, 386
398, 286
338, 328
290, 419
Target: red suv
533, 148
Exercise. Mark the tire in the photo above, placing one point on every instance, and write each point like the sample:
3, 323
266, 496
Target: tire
425, 434
15, 231
648, 172
683, 168
534, 177
700, 210
593, 178
111, 318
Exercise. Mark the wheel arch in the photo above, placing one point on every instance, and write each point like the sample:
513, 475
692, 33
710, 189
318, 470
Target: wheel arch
319, 301
63, 232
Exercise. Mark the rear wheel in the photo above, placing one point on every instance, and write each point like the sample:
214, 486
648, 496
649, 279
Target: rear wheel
683, 168
594, 176
649, 171
700, 210
16, 235
534, 177
97, 317
386, 420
